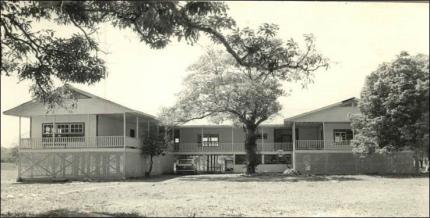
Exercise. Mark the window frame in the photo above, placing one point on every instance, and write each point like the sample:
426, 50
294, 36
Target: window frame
346, 135
68, 129
208, 140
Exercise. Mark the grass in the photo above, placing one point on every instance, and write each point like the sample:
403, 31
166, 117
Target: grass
219, 195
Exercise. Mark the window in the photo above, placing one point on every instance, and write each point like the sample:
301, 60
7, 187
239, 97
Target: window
264, 136
63, 129
208, 140
176, 136
241, 159
276, 159
340, 135
132, 133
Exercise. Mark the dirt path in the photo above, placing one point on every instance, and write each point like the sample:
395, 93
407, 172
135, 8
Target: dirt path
227, 195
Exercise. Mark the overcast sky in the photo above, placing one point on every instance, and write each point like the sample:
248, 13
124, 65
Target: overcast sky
356, 37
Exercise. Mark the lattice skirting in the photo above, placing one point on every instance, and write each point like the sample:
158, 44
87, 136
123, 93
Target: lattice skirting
71, 165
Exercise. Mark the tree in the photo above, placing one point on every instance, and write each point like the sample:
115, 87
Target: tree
395, 108
42, 57
155, 145
222, 89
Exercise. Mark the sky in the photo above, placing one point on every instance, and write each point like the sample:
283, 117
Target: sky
356, 37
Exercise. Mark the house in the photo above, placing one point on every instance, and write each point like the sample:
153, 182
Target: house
97, 139
102, 139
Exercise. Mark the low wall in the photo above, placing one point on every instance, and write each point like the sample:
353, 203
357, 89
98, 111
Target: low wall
348, 163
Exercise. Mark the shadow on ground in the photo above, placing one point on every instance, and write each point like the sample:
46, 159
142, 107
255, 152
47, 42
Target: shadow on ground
71, 213
267, 178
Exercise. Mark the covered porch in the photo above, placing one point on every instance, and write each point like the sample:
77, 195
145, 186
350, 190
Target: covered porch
322, 135
119, 130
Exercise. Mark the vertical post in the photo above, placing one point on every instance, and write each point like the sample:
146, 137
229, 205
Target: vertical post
262, 139
87, 138
124, 133
232, 138
202, 141
323, 135
54, 130
294, 145
137, 129
19, 152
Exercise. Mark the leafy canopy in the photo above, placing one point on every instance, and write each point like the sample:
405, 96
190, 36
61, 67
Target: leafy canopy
41, 56
395, 107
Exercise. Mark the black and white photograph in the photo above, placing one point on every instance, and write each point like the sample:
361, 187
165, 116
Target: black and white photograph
214, 108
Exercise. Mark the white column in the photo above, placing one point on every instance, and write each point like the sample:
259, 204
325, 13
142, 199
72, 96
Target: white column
88, 137
124, 133
294, 145
54, 130
137, 128
232, 138
323, 135
19, 133
19, 146
124, 127
202, 140
262, 139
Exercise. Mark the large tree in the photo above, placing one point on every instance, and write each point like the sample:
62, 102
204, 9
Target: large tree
41, 56
221, 89
395, 108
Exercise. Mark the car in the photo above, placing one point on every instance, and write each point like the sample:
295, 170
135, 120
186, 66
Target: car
185, 166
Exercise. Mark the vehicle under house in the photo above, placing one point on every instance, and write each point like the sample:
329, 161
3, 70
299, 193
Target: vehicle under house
101, 139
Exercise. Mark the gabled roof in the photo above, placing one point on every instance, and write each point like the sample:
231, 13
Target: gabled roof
337, 112
87, 104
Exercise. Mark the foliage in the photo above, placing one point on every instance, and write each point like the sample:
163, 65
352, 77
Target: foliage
42, 57
222, 89
9, 154
395, 107
153, 146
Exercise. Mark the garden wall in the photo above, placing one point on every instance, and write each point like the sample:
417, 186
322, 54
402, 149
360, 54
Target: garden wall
349, 163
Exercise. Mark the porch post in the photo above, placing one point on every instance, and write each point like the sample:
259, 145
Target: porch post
124, 130
54, 130
262, 139
232, 138
137, 128
323, 135
202, 140
19, 146
294, 145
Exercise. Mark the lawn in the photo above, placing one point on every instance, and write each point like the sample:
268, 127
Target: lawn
220, 195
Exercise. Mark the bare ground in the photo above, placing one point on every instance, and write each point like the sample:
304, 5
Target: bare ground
220, 195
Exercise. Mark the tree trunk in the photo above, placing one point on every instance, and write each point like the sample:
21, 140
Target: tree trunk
251, 149
148, 173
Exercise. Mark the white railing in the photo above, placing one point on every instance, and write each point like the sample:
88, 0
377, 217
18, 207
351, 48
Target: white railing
231, 147
322, 145
78, 142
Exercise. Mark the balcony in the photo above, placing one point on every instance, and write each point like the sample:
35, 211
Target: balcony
79, 142
323, 145
232, 147
301, 145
